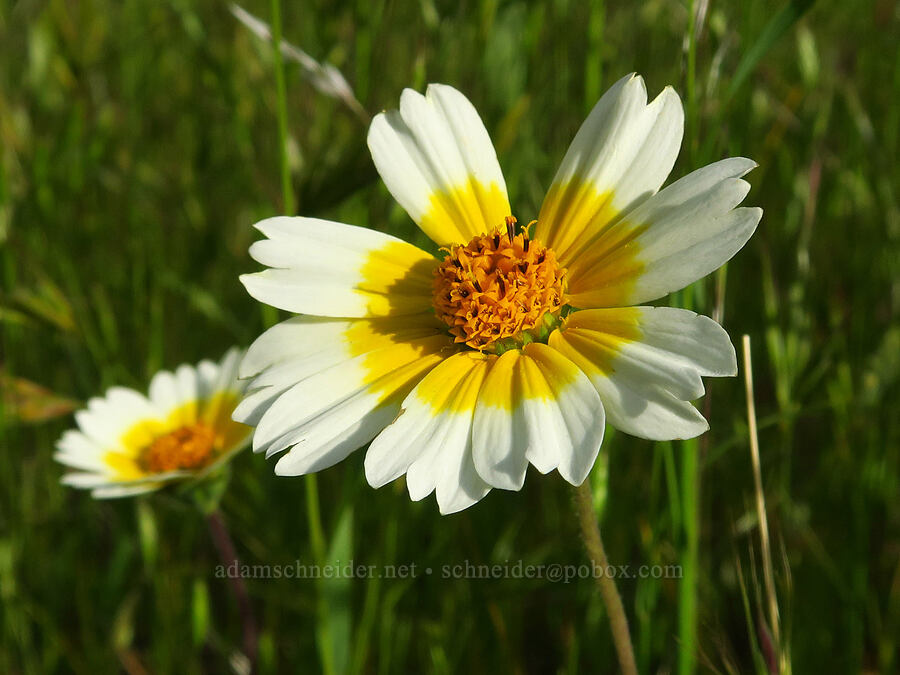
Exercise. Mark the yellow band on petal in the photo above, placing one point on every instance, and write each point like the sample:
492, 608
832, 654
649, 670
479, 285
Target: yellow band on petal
593, 338
573, 211
367, 335
499, 389
398, 351
217, 413
536, 372
143, 433
396, 279
606, 273
124, 466
453, 386
456, 216
392, 372
599, 249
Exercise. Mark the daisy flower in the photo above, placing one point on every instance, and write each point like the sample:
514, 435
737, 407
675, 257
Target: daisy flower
127, 443
516, 344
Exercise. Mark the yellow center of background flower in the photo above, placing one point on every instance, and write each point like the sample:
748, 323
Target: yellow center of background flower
496, 287
189, 447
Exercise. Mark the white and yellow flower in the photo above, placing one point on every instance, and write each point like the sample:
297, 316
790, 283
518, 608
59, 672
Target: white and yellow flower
128, 443
518, 344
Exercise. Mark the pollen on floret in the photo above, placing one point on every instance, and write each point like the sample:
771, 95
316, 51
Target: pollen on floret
498, 287
189, 447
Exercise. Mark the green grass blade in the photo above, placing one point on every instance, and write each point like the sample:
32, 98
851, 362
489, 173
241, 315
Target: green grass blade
778, 25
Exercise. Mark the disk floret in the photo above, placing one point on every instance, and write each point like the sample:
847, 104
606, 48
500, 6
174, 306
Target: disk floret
186, 448
498, 289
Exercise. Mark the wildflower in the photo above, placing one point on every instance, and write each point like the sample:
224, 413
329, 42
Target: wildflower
128, 443
517, 344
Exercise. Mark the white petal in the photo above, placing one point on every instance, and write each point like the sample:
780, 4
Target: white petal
436, 158
327, 415
211, 378
219, 393
648, 411
106, 419
621, 155
222, 376
117, 491
331, 269
646, 364
305, 337
179, 391
674, 238
80, 452
86, 480
431, 438
302, 346
536, 406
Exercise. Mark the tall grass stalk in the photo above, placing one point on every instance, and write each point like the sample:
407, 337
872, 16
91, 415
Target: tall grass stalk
690, 476
696, 11
287, 189
765, 548
687, 589
690, 531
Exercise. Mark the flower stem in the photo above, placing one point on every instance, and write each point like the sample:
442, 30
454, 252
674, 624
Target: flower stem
225, 546
618, 622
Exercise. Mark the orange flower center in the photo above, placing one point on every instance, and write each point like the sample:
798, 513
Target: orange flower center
188, 447
499, 288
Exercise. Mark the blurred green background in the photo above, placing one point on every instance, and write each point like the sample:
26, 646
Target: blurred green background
139, 142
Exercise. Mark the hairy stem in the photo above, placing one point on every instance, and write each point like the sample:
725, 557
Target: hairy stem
618, 622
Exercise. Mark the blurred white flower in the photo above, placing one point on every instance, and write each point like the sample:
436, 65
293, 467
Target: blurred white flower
127, 443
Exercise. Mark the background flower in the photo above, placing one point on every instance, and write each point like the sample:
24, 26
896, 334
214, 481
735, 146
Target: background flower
127, 443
